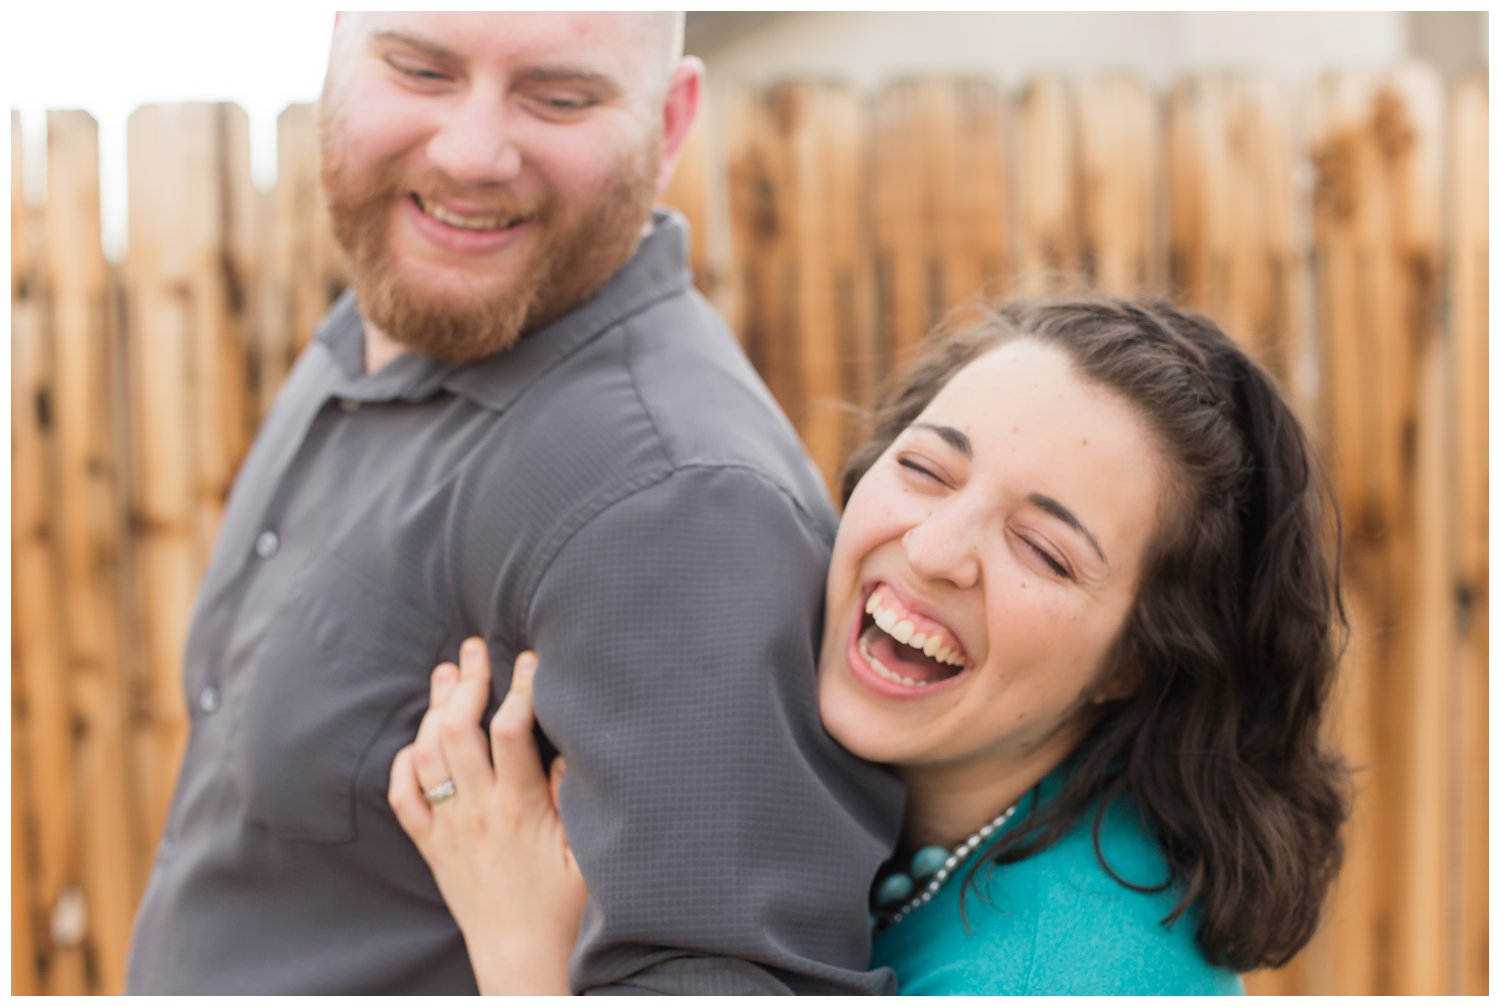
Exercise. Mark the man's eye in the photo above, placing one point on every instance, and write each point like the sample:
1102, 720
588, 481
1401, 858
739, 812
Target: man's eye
566, 103
416, 72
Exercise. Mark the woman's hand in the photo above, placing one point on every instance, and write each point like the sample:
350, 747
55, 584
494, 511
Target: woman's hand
496, 845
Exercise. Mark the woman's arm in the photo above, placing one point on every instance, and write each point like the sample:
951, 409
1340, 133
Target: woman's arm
496, 846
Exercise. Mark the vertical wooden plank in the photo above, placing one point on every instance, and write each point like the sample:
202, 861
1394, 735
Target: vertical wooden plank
305, 272
222, 277
1235, 253
803, 300
1469, 317
967, 164
903, 194
24, 974
938, 179
1376, 147
173, 219
833, 318
1120, 154
688, 192
21, 254
1048, 195
758, 168
1433, 699
1409, 122
44, 715
1357, 926
89, 516
25, 978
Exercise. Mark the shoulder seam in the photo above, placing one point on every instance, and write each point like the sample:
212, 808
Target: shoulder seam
633, 488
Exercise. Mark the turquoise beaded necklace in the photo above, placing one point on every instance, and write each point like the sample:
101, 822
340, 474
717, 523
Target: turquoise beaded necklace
896, 894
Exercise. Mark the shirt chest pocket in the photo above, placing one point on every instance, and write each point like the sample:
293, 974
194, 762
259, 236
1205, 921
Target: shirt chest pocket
344, 662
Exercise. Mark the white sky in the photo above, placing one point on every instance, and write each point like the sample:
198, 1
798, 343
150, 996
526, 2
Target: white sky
108, 60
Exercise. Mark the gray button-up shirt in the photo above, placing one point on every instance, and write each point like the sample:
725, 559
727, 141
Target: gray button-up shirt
617, 491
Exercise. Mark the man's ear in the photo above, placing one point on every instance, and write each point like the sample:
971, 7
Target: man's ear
678, 113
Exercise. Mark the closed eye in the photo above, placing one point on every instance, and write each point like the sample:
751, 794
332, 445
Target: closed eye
921, 470
415, 72
1046, 557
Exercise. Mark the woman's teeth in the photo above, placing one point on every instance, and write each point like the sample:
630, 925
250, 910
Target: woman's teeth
882, 670
905, 631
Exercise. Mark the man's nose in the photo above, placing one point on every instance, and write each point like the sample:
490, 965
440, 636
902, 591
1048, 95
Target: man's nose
476, 144
942, 548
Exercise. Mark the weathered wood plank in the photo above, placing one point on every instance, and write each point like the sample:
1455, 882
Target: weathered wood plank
1234, 250
303, 273
1050, 236
689, 192
89, 516
938, 177
43, 711
832, 321
161, 264
1469, 316
1378, 226
25, 976
1120, 136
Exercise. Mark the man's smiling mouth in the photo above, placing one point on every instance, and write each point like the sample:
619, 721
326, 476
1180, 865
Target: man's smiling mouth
468, 222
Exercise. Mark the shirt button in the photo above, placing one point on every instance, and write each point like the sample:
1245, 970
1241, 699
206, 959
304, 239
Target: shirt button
208, 699
266, 544
349, 405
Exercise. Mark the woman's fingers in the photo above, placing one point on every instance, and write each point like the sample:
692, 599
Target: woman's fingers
430, 766
554, 780
405, 796
517, 763
440, 684
459, 731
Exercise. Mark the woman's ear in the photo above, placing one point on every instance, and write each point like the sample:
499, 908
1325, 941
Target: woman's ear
1119, 683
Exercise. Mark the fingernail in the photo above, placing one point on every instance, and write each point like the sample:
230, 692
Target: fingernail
526, 662
473, 647
443, 675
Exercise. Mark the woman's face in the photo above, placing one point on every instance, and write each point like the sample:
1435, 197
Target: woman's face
1002, 533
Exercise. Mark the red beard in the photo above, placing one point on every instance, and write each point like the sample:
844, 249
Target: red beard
576, 249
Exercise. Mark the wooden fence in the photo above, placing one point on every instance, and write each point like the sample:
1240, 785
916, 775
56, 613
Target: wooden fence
1340, 231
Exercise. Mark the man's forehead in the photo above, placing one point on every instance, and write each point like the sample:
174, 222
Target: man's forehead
478, 34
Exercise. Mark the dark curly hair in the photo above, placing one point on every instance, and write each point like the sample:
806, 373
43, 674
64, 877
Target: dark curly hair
1231, 645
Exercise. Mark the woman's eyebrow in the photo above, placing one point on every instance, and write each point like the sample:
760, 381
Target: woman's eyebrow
960, 442
955, 437
1067, 517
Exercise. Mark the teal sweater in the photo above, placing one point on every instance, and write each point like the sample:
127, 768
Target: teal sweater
1056, 923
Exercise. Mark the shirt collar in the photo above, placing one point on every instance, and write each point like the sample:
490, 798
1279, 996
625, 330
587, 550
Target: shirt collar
657, 269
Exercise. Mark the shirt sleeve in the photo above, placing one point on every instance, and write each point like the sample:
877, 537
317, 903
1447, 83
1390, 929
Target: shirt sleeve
728, 843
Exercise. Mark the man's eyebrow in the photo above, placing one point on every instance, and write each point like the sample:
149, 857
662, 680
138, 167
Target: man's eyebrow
426, 46
1068, 518
955, 437
563, 74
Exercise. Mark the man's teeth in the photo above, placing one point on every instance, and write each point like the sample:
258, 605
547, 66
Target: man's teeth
486, 223
904, 631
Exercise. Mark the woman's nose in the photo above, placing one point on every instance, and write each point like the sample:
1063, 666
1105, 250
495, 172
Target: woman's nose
942, 548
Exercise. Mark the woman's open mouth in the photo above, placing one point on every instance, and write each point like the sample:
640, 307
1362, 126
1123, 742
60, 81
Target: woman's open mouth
905, 648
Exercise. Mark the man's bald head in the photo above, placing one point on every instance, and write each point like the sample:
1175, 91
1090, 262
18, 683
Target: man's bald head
486, 171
